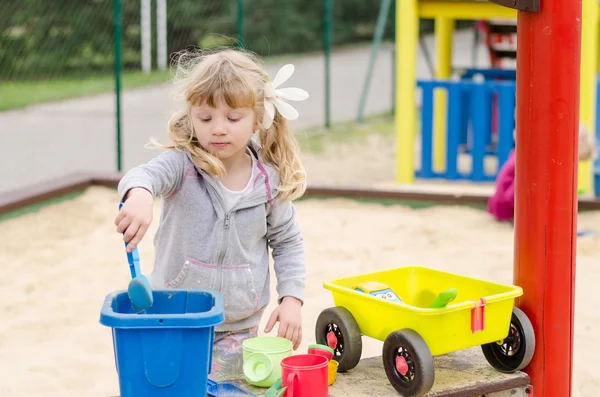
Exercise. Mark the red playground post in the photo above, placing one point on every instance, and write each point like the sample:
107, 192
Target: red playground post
548, 68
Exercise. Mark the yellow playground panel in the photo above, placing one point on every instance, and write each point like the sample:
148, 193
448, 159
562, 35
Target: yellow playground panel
408, 13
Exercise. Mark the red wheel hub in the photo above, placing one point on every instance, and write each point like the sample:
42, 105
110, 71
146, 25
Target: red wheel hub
401, 365
332, 340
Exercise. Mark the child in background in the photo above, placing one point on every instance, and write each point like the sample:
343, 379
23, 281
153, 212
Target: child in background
226, 199
502, 204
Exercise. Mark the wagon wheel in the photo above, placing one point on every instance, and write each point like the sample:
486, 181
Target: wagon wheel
516, 350
408, 363
337, 329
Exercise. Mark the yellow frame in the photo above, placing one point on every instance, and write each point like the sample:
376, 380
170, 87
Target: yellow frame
408, 13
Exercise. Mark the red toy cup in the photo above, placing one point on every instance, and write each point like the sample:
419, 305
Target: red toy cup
305, 375
321, 350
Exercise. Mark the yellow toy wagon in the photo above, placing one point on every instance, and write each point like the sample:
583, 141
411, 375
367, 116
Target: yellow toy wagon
394, 306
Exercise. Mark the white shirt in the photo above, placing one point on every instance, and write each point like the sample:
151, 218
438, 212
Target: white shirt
232, 197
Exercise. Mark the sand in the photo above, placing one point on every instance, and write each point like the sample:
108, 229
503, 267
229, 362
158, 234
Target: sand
371, 161
58, 264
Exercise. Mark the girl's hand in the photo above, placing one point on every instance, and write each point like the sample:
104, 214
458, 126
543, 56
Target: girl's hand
288, 313
135, 216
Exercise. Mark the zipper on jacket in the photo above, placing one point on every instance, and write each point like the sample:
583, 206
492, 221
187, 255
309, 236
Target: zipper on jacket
225, 242
225, 236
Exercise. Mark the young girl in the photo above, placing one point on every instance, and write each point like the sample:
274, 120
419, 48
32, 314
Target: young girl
226, 199
502, 204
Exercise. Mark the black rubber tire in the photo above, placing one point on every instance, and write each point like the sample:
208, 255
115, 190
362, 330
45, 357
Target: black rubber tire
340, 321
410, 345
521, 339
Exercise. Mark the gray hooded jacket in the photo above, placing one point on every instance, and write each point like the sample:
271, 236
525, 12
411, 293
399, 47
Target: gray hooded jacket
198, 245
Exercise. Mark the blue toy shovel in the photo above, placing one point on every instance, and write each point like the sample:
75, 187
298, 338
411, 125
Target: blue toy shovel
139, 290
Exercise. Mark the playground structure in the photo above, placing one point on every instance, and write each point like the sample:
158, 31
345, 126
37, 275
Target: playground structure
450, 107
469, 118
554, 44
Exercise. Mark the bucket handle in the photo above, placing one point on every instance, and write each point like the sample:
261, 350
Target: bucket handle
291, 379
162, 361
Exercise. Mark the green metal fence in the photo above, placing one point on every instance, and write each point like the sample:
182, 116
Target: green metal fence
271, 28
65, 48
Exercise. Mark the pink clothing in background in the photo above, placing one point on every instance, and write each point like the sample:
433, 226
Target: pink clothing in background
502, 203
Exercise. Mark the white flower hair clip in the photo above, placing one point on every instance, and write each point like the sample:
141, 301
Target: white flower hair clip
274, 97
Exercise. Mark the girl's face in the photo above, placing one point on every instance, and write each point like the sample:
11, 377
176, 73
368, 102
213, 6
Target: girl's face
223, 131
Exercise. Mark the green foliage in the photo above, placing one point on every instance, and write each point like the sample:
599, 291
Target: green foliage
42, 39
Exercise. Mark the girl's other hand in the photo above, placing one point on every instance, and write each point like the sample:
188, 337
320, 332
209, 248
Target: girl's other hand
135, 216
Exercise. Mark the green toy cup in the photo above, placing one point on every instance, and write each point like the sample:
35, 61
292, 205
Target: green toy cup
322, 350
262, 359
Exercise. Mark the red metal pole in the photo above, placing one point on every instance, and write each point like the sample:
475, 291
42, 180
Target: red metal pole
548, 62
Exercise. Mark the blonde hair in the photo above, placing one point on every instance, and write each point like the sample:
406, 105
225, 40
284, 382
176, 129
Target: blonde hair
236, 77
586, 144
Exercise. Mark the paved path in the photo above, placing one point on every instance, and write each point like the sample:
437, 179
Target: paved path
52, 140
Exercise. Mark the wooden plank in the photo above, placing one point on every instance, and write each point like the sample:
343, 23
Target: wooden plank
418, 193
465, 373
17, 199
47, 190
41, 192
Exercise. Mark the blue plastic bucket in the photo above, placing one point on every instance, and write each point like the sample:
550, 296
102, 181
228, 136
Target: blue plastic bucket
166, 351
